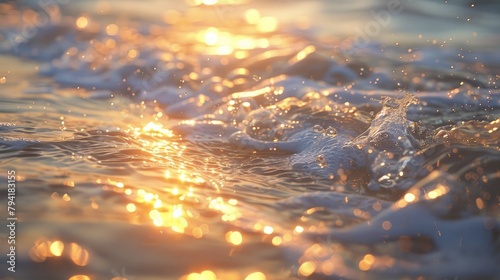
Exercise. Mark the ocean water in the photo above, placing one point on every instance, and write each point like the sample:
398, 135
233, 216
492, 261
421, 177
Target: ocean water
251, 140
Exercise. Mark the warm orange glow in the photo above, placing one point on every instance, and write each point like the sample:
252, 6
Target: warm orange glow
156, 129
197, 232
44, 249
479, 203
307, 268
277, 241
56, 248
252, 16
256, 276
79, 277
177, 212
305, 52
70, 184
110, 43
78, 255
211, 36
367, 262
234, 237
40, 251
209, 2
437, 192
131, 207
409, 197
268, 229
82, 22
112, 29
299, 229
267, 24
230, 212
204, 275
66, 197
401, 203
369, 258
132, 53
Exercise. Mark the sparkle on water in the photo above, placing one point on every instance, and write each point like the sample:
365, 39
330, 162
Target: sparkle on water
219, 140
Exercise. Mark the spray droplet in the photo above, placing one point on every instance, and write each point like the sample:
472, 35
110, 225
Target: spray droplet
331, 131
318, 129
321, 161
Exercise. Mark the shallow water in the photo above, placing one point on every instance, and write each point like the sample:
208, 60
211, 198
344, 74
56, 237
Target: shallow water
251, 140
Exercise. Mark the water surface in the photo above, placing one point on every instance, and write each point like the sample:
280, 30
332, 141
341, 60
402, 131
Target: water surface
251, 140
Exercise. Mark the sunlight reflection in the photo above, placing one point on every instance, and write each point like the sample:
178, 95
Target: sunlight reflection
307, 268
223, 42
82, 22
79, 277
234, 237
204, 275
256, 276
215, 2
43, 249
78, 255
56, 248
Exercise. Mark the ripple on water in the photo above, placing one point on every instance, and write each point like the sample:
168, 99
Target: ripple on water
199, 150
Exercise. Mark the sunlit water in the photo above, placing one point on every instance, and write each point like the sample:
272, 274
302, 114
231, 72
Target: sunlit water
251, 140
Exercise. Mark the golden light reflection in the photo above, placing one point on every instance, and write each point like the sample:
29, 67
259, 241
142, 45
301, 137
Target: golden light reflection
479, 203
234, 237
409, 197
79, 277
175, 216
197, 232
221, 42
66, 197
298, 229
78, 255
82, 22
56, 248
131, 207
437, 192
204, 275
70, 184
252, 16
230, 212
367, 262
171, 206
277, 241
133, 53
211, 36
43, 249
267, 24
307, 268
268, 230
214, 2
256, 276
305, 52
40, 251
112, 29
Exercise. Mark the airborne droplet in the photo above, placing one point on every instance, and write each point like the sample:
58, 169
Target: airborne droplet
321, 161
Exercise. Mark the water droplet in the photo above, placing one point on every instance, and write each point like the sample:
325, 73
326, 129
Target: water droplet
392, 103
331, 131
318, 129
321, 161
